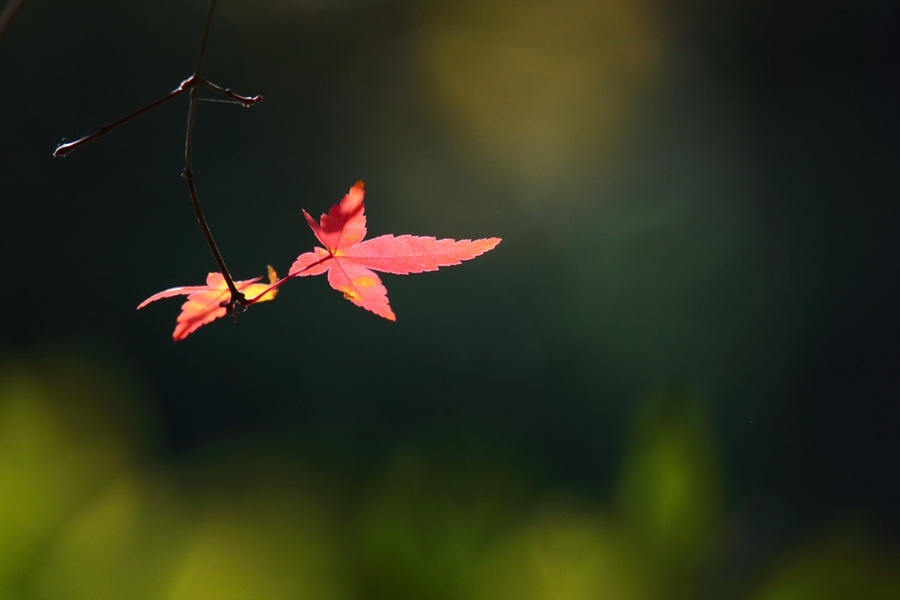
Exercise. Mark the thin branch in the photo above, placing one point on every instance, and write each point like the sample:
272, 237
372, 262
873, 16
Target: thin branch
64, 149
188, 85
218, 100
236, 296
245, 101
8, 13
201, 53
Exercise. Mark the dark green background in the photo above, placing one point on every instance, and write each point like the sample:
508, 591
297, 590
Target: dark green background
734, 238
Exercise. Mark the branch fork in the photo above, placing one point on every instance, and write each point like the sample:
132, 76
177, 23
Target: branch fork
189, 85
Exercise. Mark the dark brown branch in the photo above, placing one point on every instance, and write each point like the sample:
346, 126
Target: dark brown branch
204, 40
245, 101
236, 296
188, 85
64, 149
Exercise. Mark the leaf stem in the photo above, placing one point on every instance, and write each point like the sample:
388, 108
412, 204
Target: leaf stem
282, 281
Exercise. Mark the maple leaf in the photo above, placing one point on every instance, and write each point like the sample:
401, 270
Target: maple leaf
350, 262
204, 302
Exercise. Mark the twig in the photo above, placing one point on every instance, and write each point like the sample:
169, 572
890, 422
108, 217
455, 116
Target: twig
189, 85
237, 297
186, 85
64, 149
201, 53
245, 101
8, 13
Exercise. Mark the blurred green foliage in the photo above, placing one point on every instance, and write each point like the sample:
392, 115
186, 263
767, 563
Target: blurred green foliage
426, 525
58, 449
839, 565
90, 510
670, 487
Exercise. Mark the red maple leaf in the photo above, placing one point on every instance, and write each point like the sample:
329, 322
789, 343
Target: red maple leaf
350, 262
204, 302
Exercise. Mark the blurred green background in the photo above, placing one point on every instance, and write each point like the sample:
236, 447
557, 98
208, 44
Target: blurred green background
677, 377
